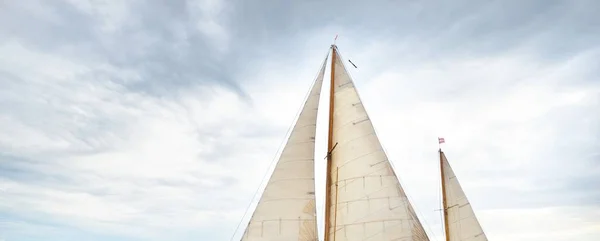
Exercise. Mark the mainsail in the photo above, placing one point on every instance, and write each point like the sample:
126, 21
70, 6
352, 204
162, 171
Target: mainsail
461, 224
287, 210
364, 199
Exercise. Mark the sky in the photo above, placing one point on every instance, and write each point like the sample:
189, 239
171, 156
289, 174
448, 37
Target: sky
153, 120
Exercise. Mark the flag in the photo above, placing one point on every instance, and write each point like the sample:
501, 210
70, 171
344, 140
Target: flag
335, 37
441, 140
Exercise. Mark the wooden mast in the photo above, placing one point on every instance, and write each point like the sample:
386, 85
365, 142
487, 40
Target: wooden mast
444, 204
330, 146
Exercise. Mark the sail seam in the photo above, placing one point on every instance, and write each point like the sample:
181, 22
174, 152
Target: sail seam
372, 198
291, 179
374, 221
354, 121
357, 138
303, 126
284, 220
299, 142
360, 177
296, 159
295, 199
376, 170
383, 230
283, 161
360, 157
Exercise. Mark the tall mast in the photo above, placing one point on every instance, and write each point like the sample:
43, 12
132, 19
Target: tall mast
330, 145
460, 224
444, 203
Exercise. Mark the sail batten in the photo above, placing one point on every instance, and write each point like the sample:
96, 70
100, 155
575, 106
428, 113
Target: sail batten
461, 222
366, 200
286, 210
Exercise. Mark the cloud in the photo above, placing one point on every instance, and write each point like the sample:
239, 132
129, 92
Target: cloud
137, 121
555, 223
516, 126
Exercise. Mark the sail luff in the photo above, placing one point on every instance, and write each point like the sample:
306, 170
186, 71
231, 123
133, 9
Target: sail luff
287, 207
462, 223
369, 203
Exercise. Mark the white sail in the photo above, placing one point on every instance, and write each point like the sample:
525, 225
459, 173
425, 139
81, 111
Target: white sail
367, 202
286, 210
462, 223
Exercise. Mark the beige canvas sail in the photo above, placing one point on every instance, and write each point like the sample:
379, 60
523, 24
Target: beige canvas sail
462, 224
286, 210
366, 201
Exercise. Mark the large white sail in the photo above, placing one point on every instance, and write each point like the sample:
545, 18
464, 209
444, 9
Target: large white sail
366, 201
462, 224
286, 210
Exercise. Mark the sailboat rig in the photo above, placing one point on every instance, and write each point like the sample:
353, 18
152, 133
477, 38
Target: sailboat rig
364, 200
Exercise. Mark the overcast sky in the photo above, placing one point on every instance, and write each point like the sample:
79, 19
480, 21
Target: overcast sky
155, 120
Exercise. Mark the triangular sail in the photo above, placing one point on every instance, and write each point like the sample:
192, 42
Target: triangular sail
365, 199
287, 210
461, 222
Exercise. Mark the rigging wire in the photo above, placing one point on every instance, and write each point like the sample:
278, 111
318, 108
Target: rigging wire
391, 163
279, 150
